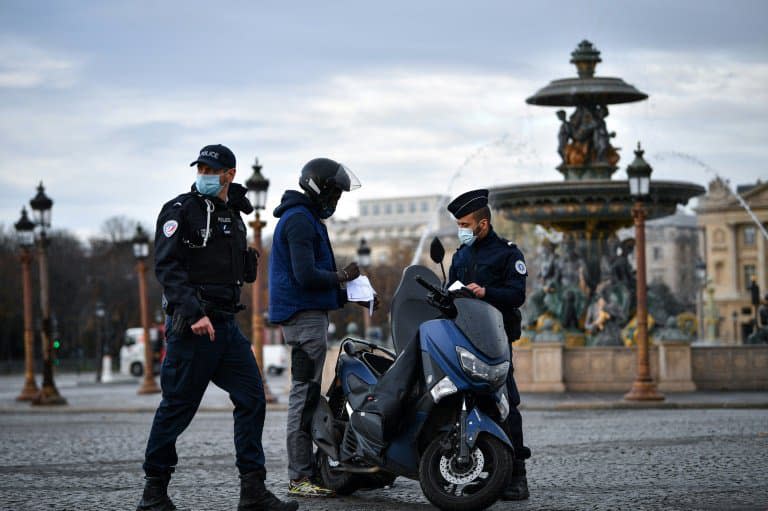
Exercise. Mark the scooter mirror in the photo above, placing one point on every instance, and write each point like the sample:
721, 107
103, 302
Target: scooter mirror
436, 250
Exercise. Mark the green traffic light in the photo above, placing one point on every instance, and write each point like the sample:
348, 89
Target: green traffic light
56, 344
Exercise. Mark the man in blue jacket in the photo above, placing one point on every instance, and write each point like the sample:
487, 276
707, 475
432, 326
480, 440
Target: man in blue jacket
494, 270
304, 284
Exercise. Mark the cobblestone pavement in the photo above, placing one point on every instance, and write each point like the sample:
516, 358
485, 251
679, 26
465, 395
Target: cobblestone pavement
587, 459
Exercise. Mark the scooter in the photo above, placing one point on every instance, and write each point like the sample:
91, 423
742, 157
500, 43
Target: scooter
431, 410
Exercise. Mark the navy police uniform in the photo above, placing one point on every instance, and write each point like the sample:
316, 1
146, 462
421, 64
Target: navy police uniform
201, 260
498, 266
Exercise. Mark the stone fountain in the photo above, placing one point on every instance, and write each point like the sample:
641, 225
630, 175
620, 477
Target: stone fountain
585, 292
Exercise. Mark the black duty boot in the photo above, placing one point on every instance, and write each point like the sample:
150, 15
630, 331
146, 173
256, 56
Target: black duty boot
155, 497
517, 488
254, 496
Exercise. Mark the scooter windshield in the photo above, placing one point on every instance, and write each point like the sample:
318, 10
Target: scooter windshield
409, 305
483, 325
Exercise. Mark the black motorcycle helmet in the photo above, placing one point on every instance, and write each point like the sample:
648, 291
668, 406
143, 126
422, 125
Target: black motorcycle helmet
323, 180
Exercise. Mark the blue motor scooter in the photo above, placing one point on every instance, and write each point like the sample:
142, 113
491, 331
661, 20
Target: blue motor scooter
431, 410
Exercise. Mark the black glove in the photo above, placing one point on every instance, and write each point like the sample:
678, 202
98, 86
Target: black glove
179, 325
350, 272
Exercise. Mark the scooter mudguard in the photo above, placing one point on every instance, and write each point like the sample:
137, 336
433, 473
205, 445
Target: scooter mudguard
478, 422
322, 429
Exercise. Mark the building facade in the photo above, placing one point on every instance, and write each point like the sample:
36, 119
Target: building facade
392, 228
735, 252
671, 252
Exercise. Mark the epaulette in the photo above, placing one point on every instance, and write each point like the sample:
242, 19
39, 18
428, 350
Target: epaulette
180, 200
507, 242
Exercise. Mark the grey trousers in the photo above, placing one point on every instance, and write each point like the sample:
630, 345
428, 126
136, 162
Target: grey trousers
307, 334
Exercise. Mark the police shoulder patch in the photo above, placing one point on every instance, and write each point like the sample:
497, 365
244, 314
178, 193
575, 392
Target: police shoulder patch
170, 227
520, 267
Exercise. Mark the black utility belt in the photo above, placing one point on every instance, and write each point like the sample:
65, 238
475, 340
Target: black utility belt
220, 311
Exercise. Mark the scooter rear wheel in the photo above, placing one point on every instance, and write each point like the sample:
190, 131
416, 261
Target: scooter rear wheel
473, 486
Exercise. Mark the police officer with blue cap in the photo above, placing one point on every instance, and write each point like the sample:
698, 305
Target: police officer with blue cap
202, 260
493, 269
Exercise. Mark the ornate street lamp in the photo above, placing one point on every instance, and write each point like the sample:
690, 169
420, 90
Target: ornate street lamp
140, 244
100, 312
364, 260
364, 254
25, 236
701, 279
41, 206
257, 186
639, 172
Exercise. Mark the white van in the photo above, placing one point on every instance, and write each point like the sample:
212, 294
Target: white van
132, 351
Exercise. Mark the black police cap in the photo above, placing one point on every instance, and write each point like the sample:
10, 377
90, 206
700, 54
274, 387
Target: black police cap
467, 203
216, 156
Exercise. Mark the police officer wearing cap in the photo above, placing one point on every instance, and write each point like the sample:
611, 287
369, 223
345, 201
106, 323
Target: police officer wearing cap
493, 269
202, 260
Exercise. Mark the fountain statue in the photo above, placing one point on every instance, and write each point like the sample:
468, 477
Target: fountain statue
586, 285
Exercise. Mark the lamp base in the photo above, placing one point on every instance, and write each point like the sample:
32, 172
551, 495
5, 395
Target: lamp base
643, 391
29, 392
268, 396
49, 396
148, 386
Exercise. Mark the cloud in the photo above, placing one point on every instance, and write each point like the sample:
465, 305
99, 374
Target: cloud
104, 151
24, 65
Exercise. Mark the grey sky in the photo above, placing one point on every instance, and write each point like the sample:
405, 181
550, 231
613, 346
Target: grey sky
108, 102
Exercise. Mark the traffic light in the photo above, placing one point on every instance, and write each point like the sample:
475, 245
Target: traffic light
56, 346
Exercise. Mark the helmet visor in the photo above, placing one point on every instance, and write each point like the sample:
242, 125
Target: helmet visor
345, 179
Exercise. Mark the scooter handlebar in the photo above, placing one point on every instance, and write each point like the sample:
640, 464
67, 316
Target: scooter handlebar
427, 285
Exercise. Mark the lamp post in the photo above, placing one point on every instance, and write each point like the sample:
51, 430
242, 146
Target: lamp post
41, 206
364, 260
25, 234
701, 280
140, 244
257, 186
639, 173
100, 313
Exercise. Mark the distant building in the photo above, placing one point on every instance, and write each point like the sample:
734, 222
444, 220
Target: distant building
671, 253
735, 252
392, 227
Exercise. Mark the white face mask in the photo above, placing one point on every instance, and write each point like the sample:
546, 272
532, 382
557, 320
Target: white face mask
466, 236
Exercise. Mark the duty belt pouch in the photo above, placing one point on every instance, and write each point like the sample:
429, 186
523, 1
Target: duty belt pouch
251, 265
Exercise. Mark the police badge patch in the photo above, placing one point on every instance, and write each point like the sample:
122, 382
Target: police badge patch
520, 267
169, 228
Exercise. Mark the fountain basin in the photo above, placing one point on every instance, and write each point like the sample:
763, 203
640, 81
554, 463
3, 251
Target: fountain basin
587, 205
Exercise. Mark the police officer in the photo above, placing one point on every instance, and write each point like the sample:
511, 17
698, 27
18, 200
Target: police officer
202, 260
304, 285
493, 269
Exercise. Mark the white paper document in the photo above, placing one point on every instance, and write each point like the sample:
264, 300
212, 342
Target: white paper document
360, 290
456, 286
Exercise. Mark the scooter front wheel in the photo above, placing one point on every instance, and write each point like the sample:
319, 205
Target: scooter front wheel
469, 486
343, 483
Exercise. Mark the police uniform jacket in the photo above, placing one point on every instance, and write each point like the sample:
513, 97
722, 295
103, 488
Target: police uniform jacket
201, 253
499, 267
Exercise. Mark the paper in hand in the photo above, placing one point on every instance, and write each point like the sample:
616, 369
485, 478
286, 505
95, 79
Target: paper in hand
360, 290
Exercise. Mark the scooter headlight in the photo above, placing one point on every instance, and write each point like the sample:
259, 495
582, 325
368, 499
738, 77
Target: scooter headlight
502, 403
479, 370
444, 387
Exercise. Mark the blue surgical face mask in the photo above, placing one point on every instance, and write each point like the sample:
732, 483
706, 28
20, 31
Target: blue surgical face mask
466, 236
208, 184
